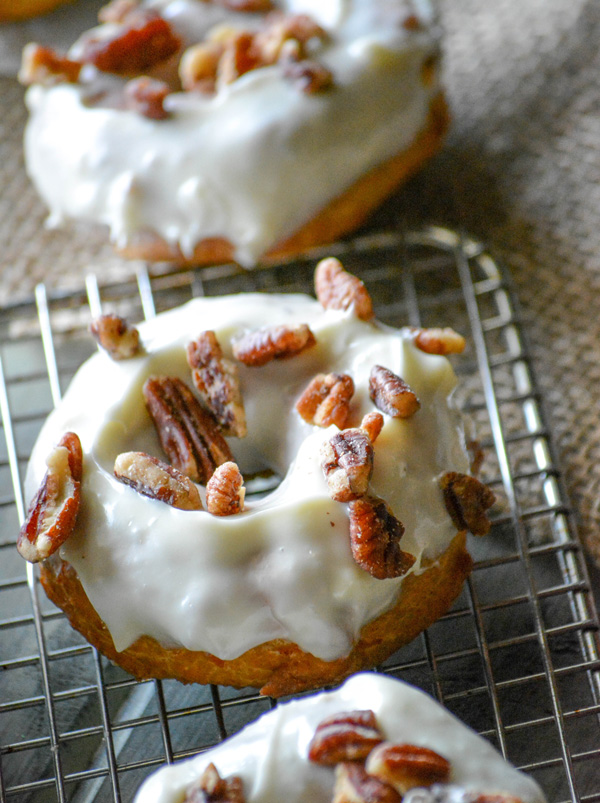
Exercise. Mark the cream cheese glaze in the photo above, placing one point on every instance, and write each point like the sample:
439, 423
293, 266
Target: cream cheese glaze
251, 164
271, 754
283, 567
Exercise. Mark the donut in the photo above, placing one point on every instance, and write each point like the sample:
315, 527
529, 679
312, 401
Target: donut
156, 523
374, 733
211, 130
14, 10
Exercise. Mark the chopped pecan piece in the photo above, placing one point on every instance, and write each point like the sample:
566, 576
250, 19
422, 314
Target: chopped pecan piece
326, 400
439, 341
347, 462
198, 67
467, 500
405, 766
391, 394
272, 343
146, 96
338, 289
238, 57
308, 75
188, 434
375, 535
116, 336
225, 491
42, 65
273, 40
347, 736
53, 511
211, 788
412, 23
217, 381
142, 41
151, 477
354, 785
372, 425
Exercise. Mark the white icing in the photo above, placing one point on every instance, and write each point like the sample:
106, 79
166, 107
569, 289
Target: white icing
282, 568
251, 164
271, 754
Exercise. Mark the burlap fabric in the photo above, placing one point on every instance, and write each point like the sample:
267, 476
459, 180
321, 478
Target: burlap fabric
520, 170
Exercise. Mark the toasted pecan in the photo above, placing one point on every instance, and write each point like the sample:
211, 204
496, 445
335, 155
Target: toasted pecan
143, 40
375, 535
347, 462
371, 425
338, 289
354, 785
211, 788
53, 511
152, 477
442, 341
326, 400
260, 346
217, 381
405, 766
467, 500
225, 491
42, 65
347, 736
391, 394
117, 337
188, 433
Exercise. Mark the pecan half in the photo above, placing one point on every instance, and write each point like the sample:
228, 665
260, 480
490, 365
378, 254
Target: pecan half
347, 736
354, 785
116, 336
347, 462
338, 289
143, 40
391, 394
405, 766
146, 96
375, 535
218, 383
151, 477
211, 788
467, 500
42, 65
225, 491
53, 511
188, 434
272, 343
439, 341
326, 400
372, 425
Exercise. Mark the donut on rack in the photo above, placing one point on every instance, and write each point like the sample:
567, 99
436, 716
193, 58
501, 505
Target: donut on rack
207, 130
149, 543
374, 739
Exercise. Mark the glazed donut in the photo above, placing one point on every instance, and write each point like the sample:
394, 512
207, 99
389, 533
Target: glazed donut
296, 119
302, 748
361, 545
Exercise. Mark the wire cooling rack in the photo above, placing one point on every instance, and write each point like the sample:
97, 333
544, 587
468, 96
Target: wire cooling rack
517, 658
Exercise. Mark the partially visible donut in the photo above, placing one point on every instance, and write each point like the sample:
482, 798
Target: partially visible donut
13, 10
359, 548
294, 123
374, 735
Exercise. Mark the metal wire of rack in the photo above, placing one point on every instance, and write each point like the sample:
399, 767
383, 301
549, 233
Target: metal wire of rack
517, 657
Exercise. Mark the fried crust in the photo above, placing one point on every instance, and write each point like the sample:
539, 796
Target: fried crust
277, 667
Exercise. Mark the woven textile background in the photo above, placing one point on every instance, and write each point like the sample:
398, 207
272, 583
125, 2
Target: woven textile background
520, 170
